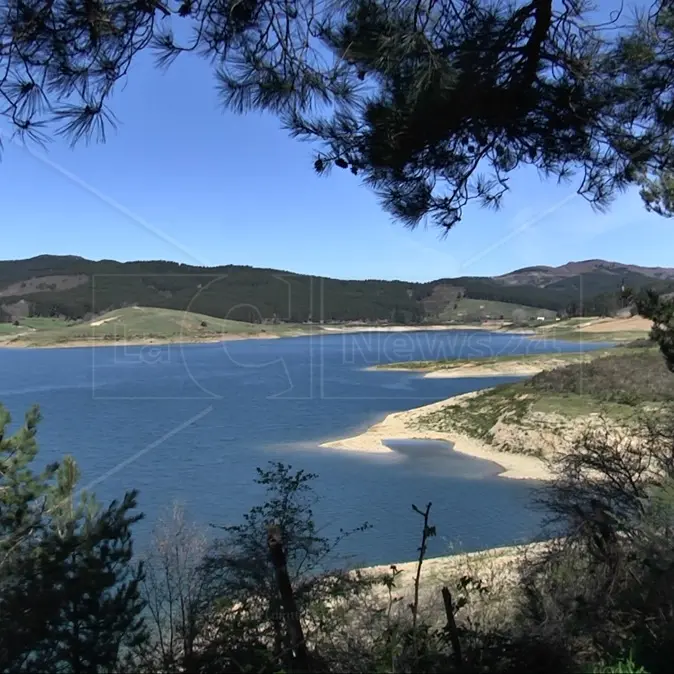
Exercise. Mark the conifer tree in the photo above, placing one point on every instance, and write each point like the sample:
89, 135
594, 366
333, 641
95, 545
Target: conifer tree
432, 104
69, 591
661, 311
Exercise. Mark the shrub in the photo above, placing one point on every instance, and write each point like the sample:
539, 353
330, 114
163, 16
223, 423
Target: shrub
645, 343
629, 379
607, 582
621, 667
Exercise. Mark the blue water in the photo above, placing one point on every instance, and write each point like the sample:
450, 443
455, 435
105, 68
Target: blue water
190, 423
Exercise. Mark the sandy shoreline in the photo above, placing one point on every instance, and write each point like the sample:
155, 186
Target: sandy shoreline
493, 560
485, 371
402, 426
514, 369
525, 366
500, 569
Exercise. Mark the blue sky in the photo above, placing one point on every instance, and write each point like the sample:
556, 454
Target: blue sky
182, 180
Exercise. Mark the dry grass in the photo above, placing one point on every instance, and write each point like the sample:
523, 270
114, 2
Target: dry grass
495, 570
632, 324
630, 378
545, 414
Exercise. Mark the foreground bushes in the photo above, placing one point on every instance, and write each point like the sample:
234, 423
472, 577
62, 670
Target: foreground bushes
269, 595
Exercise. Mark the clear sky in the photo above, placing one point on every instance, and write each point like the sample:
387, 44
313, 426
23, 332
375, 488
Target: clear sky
182, 180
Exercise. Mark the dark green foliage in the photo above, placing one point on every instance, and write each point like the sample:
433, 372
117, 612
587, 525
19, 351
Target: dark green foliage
493, 85
605, 585
240, 576
651, 53
77, 605
69, 592
622, 667
658, 193
233, 292
251, 294
490, 289
413, 97
661, 312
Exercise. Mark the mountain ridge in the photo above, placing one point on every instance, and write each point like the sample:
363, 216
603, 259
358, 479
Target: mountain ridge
543, 274
75, 287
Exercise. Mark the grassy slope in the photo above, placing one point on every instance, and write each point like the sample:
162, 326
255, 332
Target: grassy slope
572, 329
8, 331
469, 310
78, 287
617, 386
149, 324
36, 323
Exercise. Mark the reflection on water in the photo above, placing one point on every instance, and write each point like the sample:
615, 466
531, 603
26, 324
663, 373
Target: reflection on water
438, 457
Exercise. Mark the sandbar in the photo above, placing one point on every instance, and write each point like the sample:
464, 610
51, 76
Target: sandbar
403, 426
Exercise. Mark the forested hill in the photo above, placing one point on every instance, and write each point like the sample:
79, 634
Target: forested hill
75, 288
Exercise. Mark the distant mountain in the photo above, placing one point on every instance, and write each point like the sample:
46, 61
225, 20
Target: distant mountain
74, 287
544, 276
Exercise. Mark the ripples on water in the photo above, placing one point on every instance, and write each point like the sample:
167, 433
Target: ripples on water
200, 418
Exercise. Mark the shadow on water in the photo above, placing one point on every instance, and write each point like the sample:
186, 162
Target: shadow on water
438, 458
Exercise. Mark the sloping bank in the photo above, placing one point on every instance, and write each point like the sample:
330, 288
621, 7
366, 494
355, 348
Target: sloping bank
419, 424
498, 569
521, 365
522, 426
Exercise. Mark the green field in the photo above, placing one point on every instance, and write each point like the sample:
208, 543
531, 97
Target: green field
139, 324
8, 329
569, 329
471, 310
28, 325
42, 323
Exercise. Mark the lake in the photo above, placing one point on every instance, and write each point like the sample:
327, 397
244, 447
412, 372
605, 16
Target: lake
190, 423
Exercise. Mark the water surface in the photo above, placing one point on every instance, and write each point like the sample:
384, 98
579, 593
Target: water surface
191, 423
437, 457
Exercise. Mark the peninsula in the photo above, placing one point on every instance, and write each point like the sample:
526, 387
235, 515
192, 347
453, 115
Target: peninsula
521, 426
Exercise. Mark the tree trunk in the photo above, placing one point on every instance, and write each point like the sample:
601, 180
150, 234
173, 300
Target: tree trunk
300, 659
451, 627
